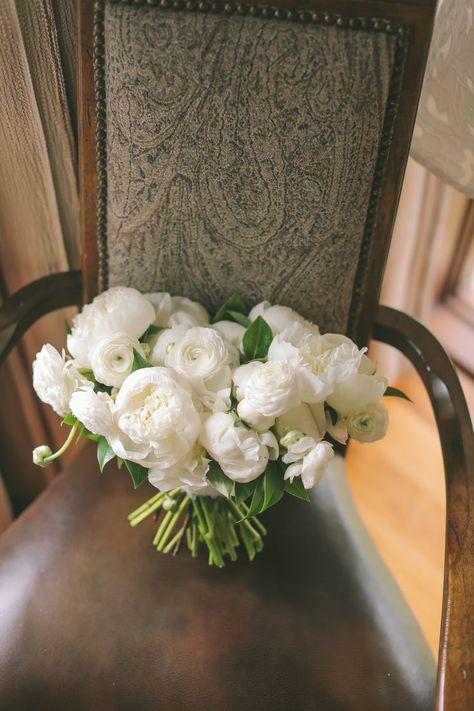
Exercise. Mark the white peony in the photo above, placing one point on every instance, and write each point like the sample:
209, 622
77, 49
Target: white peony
189, 474
368, 425
239, 451
356, 392
55, 379
177, 311
280, 318
162, 342
153, 420
117, 310
253, 418
267, 388
307, 458
112, 358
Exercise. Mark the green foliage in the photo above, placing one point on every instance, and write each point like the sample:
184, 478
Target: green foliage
296, 488
139, 361
104, 452
151, 331
395, 392
257, 339
243, 491
219, 480
273, 485
232, 310
257, 498
137, 472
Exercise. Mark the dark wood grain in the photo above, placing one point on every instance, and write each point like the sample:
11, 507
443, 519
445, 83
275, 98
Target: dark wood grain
37, 299
456, 655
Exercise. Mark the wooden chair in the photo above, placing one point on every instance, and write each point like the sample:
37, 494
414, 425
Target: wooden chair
261, 148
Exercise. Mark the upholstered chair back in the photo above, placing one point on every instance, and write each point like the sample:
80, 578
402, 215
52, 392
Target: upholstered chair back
250, 148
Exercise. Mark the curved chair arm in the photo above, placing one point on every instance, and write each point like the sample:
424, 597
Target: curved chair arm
455, 688
37, 299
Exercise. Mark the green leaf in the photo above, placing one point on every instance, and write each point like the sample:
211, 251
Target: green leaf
139, 361
240, 318
138, 473
151, 331
244, 491
88, 374
67, 327
219, 480
395, 392
234, 303
296, 488
104, 452
273, 485
257, 498
257, 339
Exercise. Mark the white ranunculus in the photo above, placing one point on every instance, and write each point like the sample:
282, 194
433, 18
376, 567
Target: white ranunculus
205, 360
157, 422
112, 358
95, 411
255, 420
280, 318
308, 459
177, 311
310, 421
239, 451
357, 392
369, 424
161, 343
55, 379
117, 310
269, 388
189, 475
231, 332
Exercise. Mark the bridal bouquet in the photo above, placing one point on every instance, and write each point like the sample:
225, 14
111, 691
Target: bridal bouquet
223, 415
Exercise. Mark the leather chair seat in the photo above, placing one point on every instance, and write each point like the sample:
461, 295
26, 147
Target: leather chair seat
92, 617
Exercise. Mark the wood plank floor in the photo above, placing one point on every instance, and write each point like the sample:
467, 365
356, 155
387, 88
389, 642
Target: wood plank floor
398, 485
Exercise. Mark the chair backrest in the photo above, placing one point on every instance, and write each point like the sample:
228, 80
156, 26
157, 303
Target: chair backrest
248, 147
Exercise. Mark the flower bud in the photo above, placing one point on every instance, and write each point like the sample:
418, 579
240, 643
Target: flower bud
40, 454
291, 438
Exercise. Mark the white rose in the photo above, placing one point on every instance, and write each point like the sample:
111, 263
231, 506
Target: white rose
280, 317
308, 459
310, 421
112, 358
369, 424
231, 332
55, 379
269, 388
189, 475
238, 451
157, 423
202, 356
357, 392
117, 310
177, 311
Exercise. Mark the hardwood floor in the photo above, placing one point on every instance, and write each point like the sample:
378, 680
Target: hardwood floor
398, 485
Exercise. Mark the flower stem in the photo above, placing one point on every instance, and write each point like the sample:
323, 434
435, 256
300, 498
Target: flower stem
184, 502
65, 446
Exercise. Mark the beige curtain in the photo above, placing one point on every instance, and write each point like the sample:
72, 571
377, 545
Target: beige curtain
428, 222
38, 206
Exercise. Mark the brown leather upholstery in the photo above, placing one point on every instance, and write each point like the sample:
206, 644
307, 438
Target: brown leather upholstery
91, 617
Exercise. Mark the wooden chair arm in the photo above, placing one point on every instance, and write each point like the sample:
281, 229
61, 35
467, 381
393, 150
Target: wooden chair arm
455, 688
31, 302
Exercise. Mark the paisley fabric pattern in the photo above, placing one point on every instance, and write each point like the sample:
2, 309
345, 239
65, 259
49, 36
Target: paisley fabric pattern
240, 155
